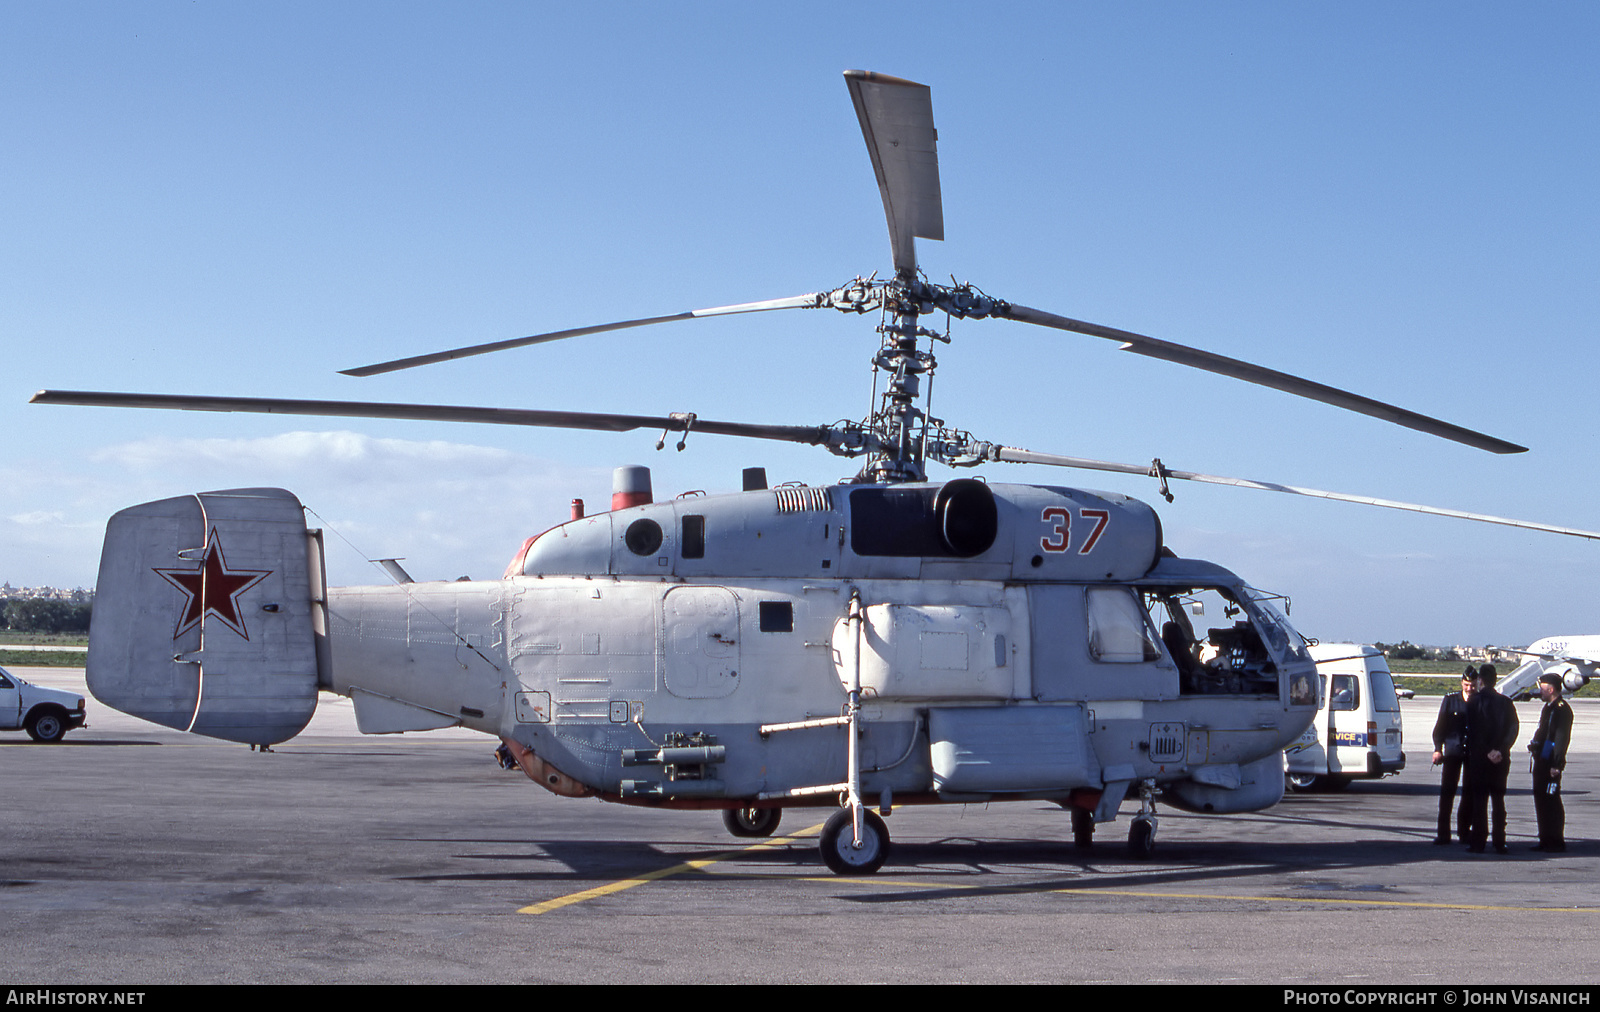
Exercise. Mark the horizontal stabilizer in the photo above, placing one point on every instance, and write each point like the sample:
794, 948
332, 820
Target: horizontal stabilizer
205, 615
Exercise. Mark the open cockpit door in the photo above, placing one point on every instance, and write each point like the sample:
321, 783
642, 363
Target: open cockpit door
205, 615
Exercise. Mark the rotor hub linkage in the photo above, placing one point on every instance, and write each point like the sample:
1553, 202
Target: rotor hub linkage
904, 435
962, 300
897, 434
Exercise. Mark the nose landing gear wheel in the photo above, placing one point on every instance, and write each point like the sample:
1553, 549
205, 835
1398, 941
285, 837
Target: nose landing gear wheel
751, 821
1141, 839
1082, 829
839, 852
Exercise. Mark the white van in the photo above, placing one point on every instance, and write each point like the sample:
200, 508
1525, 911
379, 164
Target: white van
1356, 734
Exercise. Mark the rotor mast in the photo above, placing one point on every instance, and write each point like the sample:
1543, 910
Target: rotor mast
896, 119
901, 439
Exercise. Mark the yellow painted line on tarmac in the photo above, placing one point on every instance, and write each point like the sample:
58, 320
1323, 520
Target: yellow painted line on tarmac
1144, 894
1327, 900
868, 880
652, 876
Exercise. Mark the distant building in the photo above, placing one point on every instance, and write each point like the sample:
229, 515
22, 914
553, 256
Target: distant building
77, 595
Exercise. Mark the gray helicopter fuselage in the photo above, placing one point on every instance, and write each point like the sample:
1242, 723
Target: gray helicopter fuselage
1002, 636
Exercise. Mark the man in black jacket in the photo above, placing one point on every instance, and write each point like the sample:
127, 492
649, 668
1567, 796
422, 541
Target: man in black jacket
1491, 731
1549, 748
1449, 732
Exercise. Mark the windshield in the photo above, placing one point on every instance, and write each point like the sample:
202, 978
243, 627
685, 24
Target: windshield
1277, 631
1218, 640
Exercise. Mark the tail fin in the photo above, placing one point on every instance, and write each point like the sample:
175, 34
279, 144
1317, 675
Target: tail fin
209, 613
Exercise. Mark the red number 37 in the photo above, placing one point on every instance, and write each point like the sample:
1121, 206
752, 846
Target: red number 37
1059, 519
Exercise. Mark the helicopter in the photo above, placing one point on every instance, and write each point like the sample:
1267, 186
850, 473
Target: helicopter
884, 641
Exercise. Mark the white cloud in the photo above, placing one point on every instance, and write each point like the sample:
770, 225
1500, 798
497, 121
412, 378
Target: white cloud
38, 518
449, 509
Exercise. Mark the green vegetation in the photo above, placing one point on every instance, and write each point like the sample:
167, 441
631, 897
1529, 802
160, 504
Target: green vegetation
1451, 669
45, 615
1449, 679
45, 639
44, 658
75, 619
1405, 650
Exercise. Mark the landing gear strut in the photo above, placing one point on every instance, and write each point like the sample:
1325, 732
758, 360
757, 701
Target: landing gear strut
855, 841
1142, 834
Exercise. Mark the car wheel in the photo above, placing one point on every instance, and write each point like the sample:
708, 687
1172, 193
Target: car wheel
46, 726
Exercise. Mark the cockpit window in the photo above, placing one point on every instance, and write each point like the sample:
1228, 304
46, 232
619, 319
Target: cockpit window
1219, 658
1119, 629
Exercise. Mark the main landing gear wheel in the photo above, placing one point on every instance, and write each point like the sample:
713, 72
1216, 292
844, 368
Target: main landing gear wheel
751, 821
1141, 839
838, 844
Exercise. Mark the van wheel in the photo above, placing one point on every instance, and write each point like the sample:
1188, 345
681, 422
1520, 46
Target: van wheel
1300, 782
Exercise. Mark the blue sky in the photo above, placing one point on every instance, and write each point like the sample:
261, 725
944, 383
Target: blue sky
243, 199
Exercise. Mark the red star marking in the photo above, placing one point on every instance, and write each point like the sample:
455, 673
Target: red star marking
213, 589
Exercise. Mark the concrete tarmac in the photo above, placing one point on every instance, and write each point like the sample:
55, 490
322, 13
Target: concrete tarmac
130, 854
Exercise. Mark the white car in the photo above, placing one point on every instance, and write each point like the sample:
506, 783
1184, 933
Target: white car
46, 714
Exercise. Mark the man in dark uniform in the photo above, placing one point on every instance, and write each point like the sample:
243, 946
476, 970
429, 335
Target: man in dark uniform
1449, 732
1549, 748
1491, 731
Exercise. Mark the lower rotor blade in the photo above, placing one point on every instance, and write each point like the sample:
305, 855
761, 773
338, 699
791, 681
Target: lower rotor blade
1019, 456
794, 302
813, 434
1221, 364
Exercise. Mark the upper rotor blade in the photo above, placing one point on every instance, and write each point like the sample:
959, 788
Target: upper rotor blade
793, 302
815, 434
1225, 366
1019, 456
897, 121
